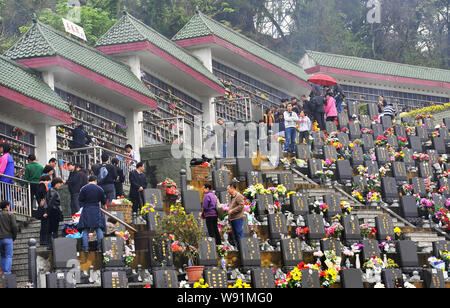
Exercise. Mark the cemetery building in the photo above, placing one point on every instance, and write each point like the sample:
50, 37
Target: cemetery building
364, 80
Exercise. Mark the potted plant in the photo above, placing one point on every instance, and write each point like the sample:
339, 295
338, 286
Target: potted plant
186, 232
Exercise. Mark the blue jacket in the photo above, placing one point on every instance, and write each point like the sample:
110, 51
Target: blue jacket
91, 198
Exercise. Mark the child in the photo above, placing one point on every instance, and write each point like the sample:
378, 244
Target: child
304, 127
42, 215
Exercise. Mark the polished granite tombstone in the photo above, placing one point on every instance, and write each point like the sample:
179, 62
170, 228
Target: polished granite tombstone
221, 180
287, 180
433, 279
153, 196
351, 278
291, 253
63, 251
391, 278
115, 246
114, 279
370, 249
351, 232
165, 279
263, 278
250, 254
207, 253
343, 171
299, 205
399, 171
389, 190
310, 279
419, 186
357, 157
317, 229
191, 201
254, 178
160, 252
385, 228
277, 226
415, 144
303, 152
216, 278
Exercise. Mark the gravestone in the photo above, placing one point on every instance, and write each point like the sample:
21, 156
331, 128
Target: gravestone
415, 144
369, 250
400, 131
351, 228
343, 139
368, 143
310, 279
331, 245
443, 132
165, 279
263, 203
221, 180
351, 278
391, 277
389, 189
354, 130
263, 278
440, 246
408, 121
207, 253
330, 127
373, 110
352, 108
250, 253
201, 223
277, 226
314, 165
360, 182
303, 152
343, 171
399, 171
114, 279
287, 179
382, 156
439, 200
316, 227
343, 120
59, 280
154, 221
115, 246
385, 227
330, 152
318, 141
254, 178
425, 170
224, 198
160, 252
64, 250
153, 196
434, 157
439, 145
291, 252
377, 131
392, 141
408, 207
429, 124
245, 228
447, 122
244, 165
121, 216
334, 205
422, 133
365, 121
408, 159
372, 167
9, 282
419, 186
299, 205
216, 278
357, 157
191, 201
433, 279
386, 122
407, 252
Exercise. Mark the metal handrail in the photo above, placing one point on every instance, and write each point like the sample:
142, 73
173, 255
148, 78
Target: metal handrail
20, 191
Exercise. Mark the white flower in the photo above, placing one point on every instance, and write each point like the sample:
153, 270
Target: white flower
184, 285
379, 286
408, 285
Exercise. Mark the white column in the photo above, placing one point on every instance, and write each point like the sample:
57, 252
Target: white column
134, 133
134, 62
46, 140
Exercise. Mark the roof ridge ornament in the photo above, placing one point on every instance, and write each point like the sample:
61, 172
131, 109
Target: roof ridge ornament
125, 10
34, 18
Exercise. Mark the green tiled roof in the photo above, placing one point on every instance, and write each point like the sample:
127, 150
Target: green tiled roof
201, 25
22, 80
130, 30
43, 41
379, 67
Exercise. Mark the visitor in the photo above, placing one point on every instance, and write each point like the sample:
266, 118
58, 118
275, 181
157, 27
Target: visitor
290, 122
8, 234
236, 213
6, 168
382, 103
130, 152
54, 210
296, 105
304, 128
49, 170
388, 111
269, 119
42, 215
106, 177
210, 214
281, 125
318, 103
53, 163
339, 97
75, 182
92, 198
81, 139
330, 108
118, 183
307, 107
138, 183
33, 173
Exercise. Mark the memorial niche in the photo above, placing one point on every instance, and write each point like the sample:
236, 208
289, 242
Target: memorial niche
299, 205
221, 180
216, 278
114, 246
207, 253
165, 279
250, 253
351, 228
277, 226
263, 278
291, 252
287, 180
254, 178
114, 279
316, 227
160, 252
153, 196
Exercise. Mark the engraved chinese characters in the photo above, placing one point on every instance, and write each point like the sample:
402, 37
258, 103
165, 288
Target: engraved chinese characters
291, 252
114, 247
250, 252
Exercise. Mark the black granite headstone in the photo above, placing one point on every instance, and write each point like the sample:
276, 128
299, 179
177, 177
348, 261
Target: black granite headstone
419, 186
331, 245
330, 152
314, 165
422, 133
165, 279
343, 170
191, 201
216, 278
439, 145
207, 253
244, 165
377, 131
360, 182
407, 252
334, 205
154, 221
316, 227
434, 157
263, 203
343, 120
291, 252
373, 110
389, 189
299, 205
351, 228
382, 156
287, 179
386, 122
443, 132
221, 180
365, 121
368, 143
369, 250
391, 277
310, 279
64, 250
357, 157
351, 278
399, 171
201, 223
408, 159
354, 130
114, 279
153, 196
425, 170
115, 246
429, 124
433, 279
224, 198
352, 108
400, 131
440, 246
250, 253
59, 280
303, 152
408, 207
330, 127
160, 252
343, 139
263, 278
277, 226
408, 121
372, 167
392, 141
415, 144
385, 227
318, 141
254, 178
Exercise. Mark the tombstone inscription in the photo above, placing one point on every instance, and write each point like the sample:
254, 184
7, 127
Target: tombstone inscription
434, 279
299, 205
114, 279
254, 178
216, 278
263, 278
250, 253
160, 252
207, 253
263, 203
277, 226
316, 227
153, 196
221, 180
385, 228
114, 246
310, 279
370, 250
391, 277
399, 171
287, 179
351, 228
165, 279
291, 252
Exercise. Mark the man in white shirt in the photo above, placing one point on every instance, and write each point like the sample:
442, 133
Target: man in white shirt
290, 123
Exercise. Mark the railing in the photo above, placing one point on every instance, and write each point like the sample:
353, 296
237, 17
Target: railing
90, 156
235, 109
18, 193
162, 131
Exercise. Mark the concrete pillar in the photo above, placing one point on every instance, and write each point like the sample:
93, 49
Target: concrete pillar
45, 142
49, 79
134, 133
134, 62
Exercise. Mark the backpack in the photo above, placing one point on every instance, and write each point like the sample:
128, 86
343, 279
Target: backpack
102, 174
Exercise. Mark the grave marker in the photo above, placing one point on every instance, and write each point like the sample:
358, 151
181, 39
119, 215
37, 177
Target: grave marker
343, 171
263, 203
254, 178
385, 228
399, 171
160, 252
207, 253
303, 152
263, 278
191, 201
115, 246
415, 144
419, 186
114, 279
389, 189
291, 252
216, 278
221, 180
277, 226
351, 278
357, 157
407, 251
64, 250
351, 228
299, 205
331, 245
408, 207
370, 250
310, 279
153, 196
287, 179
317, 229
390, 277
433, 279
165, 279
250, 253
